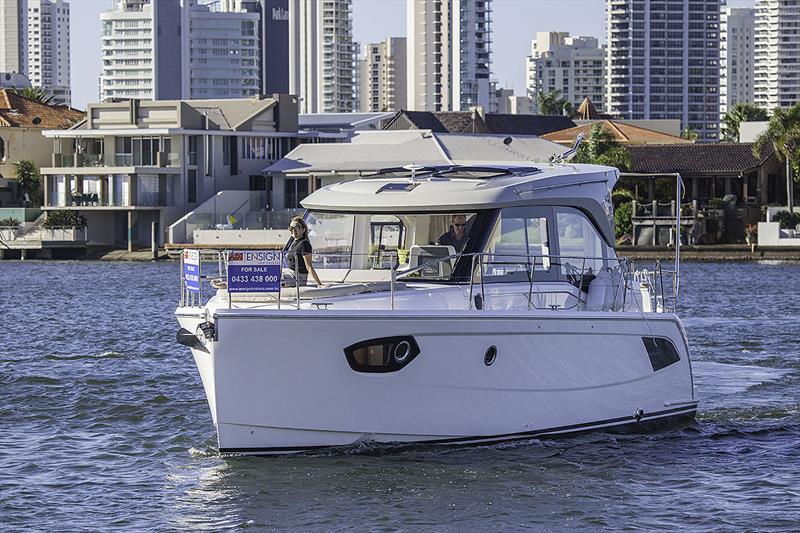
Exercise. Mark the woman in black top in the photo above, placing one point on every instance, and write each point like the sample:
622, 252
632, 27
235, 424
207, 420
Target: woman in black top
301, 248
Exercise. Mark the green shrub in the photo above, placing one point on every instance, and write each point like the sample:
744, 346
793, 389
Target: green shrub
622, 219
788, 220
9, 222
716, 203
620, 196
69, 219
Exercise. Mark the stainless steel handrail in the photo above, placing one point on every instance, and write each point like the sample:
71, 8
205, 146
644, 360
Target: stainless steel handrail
654, 280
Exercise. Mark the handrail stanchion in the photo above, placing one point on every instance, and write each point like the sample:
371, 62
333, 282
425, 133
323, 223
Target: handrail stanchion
392, 278
471, 282
297, 278
483, 290
531, 271
678, 191
227, 287
183, 283
199, 279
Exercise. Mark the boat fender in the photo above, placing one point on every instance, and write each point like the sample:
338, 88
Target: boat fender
638, 414
600, 291
617, 290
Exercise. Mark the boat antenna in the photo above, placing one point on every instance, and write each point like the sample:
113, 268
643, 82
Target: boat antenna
414, 168
569, 154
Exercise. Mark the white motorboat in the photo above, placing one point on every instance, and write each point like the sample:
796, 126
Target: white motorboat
535, 328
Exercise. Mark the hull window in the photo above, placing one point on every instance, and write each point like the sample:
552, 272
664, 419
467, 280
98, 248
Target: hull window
661, 352
387, 354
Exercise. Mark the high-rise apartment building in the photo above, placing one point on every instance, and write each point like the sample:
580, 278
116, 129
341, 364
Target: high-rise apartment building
224, 52
48, 48
449, 54
273, 30
777, 53
322, 55
14, 36
737, 57
382, 76
173, 49
663, 62
574, 66
34, 42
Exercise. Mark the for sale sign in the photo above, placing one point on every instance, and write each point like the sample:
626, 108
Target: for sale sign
191, 270
254, 271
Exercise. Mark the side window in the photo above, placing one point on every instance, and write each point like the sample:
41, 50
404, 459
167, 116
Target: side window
519, 241
580, 245
2, 149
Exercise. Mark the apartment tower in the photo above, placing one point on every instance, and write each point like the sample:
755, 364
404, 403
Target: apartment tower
663, 62
179, 49
777, 53
737, 57
575, 66
382, 76
14, 36
449, 54
48, 48
322, 55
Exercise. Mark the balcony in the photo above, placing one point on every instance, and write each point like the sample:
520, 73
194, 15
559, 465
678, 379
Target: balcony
98, 192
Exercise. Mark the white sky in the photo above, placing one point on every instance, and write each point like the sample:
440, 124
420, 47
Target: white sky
515, 22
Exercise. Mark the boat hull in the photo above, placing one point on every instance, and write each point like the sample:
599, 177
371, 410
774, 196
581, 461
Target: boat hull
279, 382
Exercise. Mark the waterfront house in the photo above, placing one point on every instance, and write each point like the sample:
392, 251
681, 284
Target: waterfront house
21, 124
132, 163
726, 187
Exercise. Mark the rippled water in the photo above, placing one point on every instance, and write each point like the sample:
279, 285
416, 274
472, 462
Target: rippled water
103, 424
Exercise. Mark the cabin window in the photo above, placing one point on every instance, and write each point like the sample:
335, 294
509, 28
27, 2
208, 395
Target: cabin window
661, 352
518, 243
387, 354
379, 241
580, 245
2, 149
331, 236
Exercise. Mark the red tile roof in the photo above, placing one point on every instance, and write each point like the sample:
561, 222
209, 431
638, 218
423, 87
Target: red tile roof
622, 133
19, 112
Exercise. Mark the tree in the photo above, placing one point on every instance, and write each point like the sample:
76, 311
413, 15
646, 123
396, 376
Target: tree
27, 177
34, 93
603, 149
551, 104
738, 114
783, 133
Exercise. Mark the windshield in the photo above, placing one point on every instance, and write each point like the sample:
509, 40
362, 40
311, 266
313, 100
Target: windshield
372, 243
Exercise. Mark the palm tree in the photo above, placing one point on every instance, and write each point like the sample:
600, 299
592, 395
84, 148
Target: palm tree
783, 133
551, 104
27, 176
738, 114
34, 93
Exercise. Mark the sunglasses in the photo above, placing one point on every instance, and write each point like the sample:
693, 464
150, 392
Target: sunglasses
459, 225
295, 228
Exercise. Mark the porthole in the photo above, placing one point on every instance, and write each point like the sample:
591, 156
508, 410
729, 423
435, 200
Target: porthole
401, 351
385, 354
490, 355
